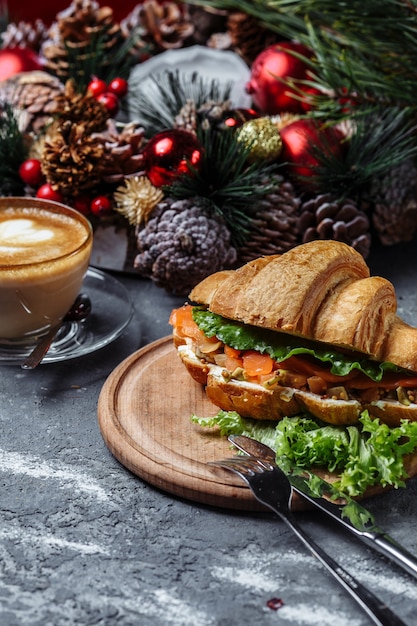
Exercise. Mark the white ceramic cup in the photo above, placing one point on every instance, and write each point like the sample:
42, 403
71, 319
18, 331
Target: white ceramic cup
45, 249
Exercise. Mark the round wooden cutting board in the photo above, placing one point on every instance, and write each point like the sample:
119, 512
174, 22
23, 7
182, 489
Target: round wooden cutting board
144, 413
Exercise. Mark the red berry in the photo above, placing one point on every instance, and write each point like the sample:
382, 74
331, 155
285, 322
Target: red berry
96, 86
110, 101
47, 193
31, 172
118, 86
82, 204
101, 205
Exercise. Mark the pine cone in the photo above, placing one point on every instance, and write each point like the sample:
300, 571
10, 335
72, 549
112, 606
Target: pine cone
207, 22
180, 245
324, 217
275, 226
24, 35
72, 37
248, 38
187, 117
122, 149
73, 162
394, 199
33, 93
163, 25
79, 108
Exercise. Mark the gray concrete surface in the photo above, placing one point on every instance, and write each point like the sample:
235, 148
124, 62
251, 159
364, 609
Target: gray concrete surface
83, 541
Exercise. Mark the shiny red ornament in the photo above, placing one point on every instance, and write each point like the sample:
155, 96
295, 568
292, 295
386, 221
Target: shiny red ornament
303, 142
16, 60
169, 154
30, 172
82, 204
46, 192
270, 71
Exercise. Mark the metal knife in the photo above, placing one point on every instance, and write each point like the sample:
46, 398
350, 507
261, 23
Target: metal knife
370, 533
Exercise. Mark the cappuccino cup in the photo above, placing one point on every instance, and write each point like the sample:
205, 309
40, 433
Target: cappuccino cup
45, 250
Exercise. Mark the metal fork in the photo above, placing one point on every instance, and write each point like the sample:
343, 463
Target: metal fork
272, 488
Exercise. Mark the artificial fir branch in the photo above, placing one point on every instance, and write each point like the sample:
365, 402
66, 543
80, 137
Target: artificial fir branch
13, 151
168, 92
226, 184
369, 47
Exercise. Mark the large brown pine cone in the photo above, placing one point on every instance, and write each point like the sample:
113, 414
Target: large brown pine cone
34, 94
73, 38
275, 225
180, 245
324, 217
394, 199
122, 143
72, 160
247, 37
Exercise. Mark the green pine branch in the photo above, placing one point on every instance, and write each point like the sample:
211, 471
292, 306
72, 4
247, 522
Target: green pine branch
158, 105
13, 152
367, 47
227, 184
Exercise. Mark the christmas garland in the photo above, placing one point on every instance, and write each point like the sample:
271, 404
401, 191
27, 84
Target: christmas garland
201, 184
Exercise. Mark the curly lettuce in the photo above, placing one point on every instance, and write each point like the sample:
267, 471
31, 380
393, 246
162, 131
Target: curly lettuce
363, 455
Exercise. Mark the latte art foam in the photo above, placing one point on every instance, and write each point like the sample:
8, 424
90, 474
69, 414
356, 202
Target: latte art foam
32, 235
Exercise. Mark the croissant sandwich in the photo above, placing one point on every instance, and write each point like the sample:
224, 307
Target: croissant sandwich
309, 330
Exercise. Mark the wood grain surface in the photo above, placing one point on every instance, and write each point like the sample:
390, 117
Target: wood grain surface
144, 413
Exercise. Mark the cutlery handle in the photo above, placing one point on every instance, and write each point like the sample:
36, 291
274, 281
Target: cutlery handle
390, 548
41, 348
379, 541
379, 613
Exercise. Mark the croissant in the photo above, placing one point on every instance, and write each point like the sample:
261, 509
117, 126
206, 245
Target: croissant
342, 348
321, 290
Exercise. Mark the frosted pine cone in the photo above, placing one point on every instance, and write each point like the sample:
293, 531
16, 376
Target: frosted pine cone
275, 225
394, 200
180, 245
324, 217
24, 35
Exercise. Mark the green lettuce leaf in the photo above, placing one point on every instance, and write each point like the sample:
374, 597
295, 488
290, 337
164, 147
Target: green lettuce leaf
362, 455
281, 346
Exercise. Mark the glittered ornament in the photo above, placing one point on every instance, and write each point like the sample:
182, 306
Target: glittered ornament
16, 60
271, 75
262, 138
305, 143
169, 155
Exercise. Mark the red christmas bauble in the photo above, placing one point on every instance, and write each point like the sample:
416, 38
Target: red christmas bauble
16, 60
169, 155
303, 141
269, 72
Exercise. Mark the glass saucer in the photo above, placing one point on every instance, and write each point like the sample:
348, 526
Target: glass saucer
111, 312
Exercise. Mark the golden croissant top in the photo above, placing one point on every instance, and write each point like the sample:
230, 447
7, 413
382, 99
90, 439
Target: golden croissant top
321, 290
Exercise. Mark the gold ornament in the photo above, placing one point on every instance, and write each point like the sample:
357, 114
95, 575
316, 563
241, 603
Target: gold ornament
136, 199
262, 137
